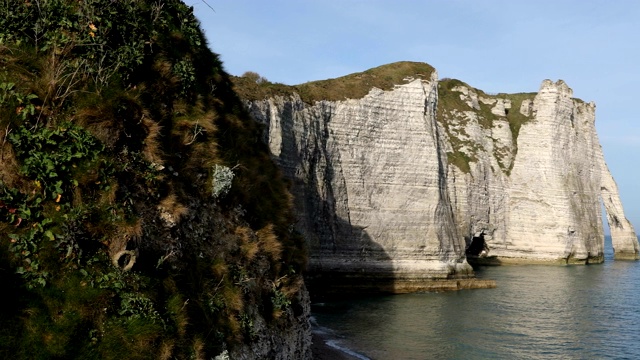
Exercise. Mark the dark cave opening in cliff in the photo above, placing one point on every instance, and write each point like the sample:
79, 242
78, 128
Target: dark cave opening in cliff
476, 246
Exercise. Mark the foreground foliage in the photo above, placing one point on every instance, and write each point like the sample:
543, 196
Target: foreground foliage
140, 215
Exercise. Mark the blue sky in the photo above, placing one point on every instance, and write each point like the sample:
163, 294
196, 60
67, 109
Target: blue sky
493, 45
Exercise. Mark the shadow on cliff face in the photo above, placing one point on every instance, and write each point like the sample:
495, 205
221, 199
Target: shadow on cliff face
477, 245
344, 260
477, 252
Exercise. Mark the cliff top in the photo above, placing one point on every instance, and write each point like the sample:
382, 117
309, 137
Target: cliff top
251, 86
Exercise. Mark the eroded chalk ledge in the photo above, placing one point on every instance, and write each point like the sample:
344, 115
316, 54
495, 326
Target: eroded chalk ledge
337, 285
503, 260
626, 255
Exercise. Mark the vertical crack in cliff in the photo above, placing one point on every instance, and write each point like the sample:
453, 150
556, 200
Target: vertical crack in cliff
451, 246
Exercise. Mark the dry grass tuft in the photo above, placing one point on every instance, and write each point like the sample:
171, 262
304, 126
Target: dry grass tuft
178, 310
59, 79
249, 247
152, 149
196, 134
235, 328
164, 69
119, 120
134, 229
277, 313
100, 123
269, 243
166, 350
244, 234
171, 210
232, 297
249, 250
109, 196
292, 287
219, 268
125, 232
198, 349
9, 167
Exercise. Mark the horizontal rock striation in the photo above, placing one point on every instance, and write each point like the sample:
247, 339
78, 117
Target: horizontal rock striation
532, 188
369, 179
399, 187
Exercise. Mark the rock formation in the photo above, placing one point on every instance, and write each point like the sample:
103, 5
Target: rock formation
534, 195
399, 183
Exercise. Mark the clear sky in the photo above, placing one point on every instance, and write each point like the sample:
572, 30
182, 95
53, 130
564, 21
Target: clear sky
493, 45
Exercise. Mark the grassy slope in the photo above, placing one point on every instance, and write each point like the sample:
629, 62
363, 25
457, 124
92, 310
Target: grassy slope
113, 116
354, 86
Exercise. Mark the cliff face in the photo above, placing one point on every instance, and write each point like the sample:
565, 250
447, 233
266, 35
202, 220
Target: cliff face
534, 196
401, 182
369, 181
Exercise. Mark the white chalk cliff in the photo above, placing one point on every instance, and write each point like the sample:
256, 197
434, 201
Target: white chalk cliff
399, 183
535, 196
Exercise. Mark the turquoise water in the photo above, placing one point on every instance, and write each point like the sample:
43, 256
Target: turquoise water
536, 312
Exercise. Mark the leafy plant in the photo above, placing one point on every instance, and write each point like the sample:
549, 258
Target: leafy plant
186, 73
12, 98
279, 300
135, 305
50, 155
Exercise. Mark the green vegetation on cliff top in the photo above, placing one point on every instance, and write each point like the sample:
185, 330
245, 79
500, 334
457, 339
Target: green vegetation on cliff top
354, 86
140, 214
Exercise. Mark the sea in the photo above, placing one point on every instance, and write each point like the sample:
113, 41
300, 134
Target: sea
535, 312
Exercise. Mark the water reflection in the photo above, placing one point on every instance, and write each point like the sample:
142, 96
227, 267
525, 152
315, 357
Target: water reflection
536, 312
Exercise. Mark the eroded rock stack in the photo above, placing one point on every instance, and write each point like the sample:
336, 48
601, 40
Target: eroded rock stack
538, 197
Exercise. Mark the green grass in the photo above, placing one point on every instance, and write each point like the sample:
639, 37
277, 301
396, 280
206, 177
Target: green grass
353, 86
450, 106
515, 117
460, 160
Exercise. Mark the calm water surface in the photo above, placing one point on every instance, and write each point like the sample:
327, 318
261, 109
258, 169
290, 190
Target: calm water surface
536, 312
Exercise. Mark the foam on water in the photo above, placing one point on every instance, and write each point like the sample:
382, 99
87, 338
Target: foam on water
331, 336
